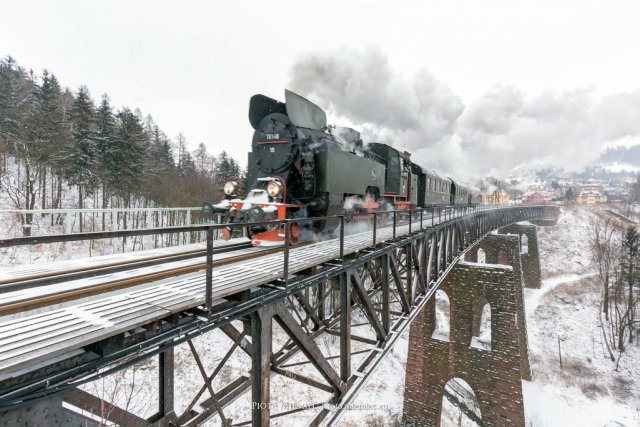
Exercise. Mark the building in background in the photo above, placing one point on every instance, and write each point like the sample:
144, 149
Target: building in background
591, 194
537, 197
498, 197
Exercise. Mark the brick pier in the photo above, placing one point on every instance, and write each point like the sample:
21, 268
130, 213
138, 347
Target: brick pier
495, 374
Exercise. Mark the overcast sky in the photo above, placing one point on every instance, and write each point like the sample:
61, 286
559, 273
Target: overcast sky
484, 75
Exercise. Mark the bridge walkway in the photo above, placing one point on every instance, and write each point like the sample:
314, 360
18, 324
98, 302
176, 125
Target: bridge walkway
27, 340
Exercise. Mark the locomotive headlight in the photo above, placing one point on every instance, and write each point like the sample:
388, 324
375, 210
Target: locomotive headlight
230, 187
274, 188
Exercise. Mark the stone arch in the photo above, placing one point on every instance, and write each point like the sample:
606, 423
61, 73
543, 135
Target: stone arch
460, 404
530, 260
495, 375
502, 258
524, 244
481, 256
529, 257
476, 313
481, 338
442, 314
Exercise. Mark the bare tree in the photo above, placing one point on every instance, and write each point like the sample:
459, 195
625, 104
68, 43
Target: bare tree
628, 279
605, 253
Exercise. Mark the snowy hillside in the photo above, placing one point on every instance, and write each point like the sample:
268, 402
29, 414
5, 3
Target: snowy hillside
586, 391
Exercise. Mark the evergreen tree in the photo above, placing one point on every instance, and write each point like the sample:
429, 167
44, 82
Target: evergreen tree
49, 115
569, 194
105, 148
17, 132
82, 156
16, 103
50, 130
161, 150
186, 165
226, 167
160, 175
129, 154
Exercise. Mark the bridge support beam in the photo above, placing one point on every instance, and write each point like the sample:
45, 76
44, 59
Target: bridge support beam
261, 332
494, 374
528, 253
165, 385
505, 250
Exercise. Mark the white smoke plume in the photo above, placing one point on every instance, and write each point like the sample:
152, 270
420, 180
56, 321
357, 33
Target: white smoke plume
502, 132
362, 87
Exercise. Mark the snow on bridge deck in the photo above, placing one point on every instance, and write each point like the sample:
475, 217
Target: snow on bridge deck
20, 297
27, 340
15, 273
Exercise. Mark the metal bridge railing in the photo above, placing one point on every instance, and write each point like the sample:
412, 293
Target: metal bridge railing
40, 222
437, 215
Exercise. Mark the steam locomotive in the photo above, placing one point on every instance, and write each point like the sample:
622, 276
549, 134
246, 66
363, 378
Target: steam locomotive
301, 168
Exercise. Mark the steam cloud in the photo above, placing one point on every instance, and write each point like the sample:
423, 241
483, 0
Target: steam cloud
502, 132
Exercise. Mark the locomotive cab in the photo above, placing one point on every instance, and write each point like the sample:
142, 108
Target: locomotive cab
401, 184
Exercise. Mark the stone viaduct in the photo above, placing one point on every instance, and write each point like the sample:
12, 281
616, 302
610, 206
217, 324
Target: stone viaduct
494, 367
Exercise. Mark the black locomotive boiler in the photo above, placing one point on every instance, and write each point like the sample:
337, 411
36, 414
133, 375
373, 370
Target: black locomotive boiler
299, 167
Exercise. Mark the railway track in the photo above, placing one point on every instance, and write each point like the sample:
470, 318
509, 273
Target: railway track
53, 288
42, 278
49, 287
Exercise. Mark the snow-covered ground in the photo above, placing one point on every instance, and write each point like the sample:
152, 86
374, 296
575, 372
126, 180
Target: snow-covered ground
586, 391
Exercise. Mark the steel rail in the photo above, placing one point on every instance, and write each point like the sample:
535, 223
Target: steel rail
65, 295
51, 277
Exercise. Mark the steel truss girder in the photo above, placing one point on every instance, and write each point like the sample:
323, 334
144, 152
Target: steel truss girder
424, 257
